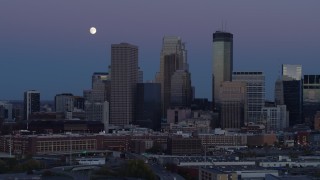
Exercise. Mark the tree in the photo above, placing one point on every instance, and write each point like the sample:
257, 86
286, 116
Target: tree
137, 169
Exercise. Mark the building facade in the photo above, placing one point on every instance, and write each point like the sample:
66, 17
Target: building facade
148, 105
232, 104
275, 118
31, 103
64, 102
311, 97
255, 82
124, 73
292, 92
181, 89
171, 59
222, 61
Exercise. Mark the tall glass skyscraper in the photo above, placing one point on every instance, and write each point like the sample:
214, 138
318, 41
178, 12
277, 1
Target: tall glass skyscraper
255, 82
172, 58
292, 92
291, 72
222, 61
148, 106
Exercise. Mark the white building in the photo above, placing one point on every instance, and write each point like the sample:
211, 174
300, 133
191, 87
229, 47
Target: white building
275, 118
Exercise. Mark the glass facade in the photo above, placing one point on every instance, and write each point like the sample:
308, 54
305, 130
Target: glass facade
222, 61
292, 71
292, 96
148, 105
311, 97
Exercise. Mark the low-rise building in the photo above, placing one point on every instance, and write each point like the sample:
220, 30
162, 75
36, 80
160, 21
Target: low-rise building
184, 146
261, 139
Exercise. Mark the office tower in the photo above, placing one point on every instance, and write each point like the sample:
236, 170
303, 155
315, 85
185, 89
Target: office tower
222, 61
95, 98
124, 65
311, 97
255, 93
64, 102
291, 72
148, 105
292, 92
275, 118
94, 111
6, 110
101, 86
232, 104
31, 103
171, 59
78, 103
181, 92
278, 92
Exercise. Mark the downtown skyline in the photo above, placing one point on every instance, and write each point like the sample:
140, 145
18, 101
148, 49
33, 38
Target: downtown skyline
55, 53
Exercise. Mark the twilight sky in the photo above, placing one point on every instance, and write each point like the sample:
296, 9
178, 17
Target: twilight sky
46, 45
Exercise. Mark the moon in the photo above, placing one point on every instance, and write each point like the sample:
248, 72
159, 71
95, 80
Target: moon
93, 30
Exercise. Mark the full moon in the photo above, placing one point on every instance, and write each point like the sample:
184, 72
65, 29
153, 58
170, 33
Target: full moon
93, 30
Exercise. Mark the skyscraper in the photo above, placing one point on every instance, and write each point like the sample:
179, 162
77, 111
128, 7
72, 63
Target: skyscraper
172, 58
311, 97
124, 65
291, 72
31, 103
101, 86
278, 92
181, 89
292, 92
64, 102
96, 97
232, 104
275, 118
222, 61
255, 93
148, 105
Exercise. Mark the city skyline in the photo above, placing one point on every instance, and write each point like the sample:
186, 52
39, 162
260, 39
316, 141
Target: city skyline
55, 53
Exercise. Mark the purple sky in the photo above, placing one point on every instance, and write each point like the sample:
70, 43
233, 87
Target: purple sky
46, 45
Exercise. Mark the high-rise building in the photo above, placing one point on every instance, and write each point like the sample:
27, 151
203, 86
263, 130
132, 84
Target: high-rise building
275, 118
31, 103
124, 65
311, 97
101, 85
255, 93
148, 105
181, 92
64, 102
78, 103
292, 92
222, 61
291, 71
232, 104
172, 58
96, 97
278, 92
6, 111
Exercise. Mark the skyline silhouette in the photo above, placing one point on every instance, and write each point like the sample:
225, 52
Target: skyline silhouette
47, 45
